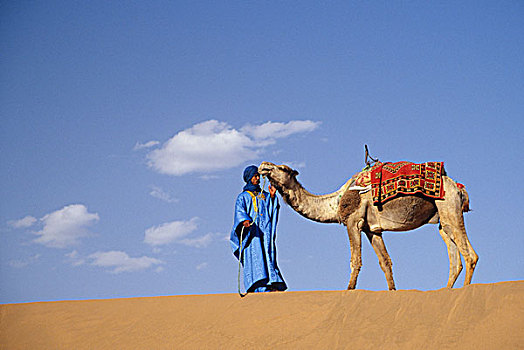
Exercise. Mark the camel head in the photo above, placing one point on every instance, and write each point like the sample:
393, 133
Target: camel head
280, 176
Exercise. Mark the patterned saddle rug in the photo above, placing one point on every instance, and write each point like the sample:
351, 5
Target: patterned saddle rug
388, 180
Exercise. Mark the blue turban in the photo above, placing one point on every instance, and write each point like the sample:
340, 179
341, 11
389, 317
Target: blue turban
249, 172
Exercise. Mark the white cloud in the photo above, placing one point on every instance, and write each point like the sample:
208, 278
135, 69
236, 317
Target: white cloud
180, 232
207, 146
275, 130
214, 145
119, 261
295, 165
24, 262
149, 144
65, 227
169, 232
198, 242
25, 222
209, 177
159, 193
75, 259
202, 266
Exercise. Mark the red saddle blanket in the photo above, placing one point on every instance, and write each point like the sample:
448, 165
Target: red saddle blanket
389, 180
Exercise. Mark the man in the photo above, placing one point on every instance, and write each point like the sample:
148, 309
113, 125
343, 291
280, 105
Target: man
256, 217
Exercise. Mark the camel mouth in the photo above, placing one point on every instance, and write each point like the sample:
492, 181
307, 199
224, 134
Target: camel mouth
265, 168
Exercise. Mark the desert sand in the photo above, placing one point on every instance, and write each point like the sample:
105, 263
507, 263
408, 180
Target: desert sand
479, 316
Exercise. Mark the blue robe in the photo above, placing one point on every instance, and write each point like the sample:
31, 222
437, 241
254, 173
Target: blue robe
259, 260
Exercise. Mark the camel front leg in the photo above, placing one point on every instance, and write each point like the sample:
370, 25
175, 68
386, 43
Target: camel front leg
455, 265
355, 246
384, 260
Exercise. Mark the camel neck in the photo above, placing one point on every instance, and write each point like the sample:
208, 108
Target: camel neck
320, 208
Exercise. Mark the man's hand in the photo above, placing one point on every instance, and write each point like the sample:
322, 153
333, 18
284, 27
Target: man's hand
246, 223
272, 191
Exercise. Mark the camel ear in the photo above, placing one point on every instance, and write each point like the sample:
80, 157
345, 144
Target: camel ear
295, 173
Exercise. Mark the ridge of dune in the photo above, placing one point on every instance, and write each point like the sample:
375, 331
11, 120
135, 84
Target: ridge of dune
482, 316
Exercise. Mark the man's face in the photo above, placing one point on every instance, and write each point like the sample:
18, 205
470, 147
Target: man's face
255, 180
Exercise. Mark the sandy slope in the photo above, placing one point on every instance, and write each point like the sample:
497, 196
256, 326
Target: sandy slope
489, 316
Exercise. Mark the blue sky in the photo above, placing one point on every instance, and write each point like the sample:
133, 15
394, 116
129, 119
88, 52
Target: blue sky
126, 127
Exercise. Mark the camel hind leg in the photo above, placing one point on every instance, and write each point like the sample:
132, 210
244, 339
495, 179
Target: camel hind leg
460, 238
452, 222
455, 265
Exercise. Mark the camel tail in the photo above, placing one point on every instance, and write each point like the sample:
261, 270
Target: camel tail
465, 197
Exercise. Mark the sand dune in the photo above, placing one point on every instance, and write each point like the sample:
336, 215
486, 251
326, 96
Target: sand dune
488, 316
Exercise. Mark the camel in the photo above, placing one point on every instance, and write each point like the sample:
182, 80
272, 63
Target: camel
356, 211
